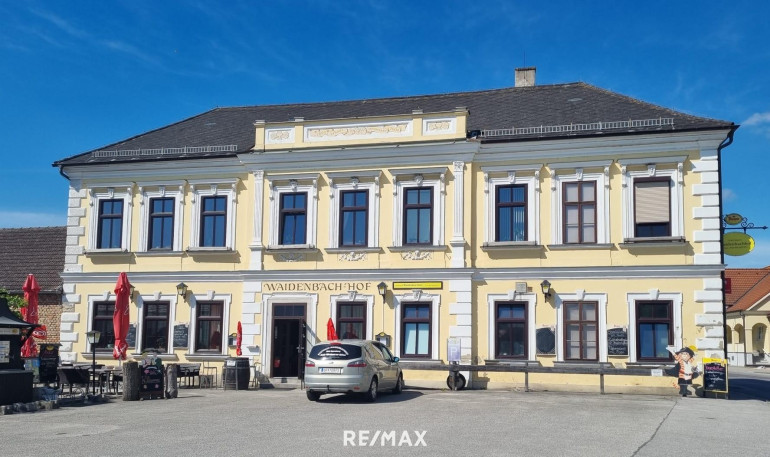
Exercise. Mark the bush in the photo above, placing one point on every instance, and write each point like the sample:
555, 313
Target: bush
15, 302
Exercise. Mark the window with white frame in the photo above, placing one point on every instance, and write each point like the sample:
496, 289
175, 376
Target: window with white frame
161, 218
417, 324
213, 214
581, 326
580, 210
356, 309
511, 205
111, 219
511, 321
655, 321
354, 210
653, 199
155, 312
293, 209
419, 206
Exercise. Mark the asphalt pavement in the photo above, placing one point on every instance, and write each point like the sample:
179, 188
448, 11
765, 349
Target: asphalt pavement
417, 422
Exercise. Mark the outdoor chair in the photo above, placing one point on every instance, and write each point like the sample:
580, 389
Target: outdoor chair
256, 373
211, 372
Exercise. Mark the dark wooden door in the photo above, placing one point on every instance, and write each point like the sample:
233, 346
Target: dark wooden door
288, 340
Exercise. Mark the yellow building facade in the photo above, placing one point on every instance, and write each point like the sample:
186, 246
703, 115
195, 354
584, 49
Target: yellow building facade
460, 218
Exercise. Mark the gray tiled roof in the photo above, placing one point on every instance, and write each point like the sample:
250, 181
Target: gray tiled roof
557, 104
37, 250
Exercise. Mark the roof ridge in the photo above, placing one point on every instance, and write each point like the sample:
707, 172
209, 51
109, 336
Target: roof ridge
401, 97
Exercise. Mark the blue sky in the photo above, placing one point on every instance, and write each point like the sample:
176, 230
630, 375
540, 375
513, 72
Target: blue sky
78, 75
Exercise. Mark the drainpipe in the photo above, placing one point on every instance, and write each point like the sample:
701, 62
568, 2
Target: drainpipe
727, 142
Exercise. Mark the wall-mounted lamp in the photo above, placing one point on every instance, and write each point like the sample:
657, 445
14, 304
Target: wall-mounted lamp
545, 286
181, 290
131, 291
382, 289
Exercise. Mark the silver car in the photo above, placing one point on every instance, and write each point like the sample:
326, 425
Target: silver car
351, 366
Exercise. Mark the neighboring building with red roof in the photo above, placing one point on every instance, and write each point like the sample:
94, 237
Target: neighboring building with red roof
40, 251
748, 315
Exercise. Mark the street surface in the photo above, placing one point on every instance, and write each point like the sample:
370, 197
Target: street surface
434, 422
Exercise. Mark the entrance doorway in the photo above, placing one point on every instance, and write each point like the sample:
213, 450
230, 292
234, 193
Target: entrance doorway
288, 354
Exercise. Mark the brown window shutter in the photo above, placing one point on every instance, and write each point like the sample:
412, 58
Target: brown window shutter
652, 201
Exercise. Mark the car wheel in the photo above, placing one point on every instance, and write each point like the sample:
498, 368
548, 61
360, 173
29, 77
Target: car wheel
313, 396
371, 394
399, 385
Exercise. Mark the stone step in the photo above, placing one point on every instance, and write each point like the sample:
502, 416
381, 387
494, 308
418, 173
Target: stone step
281, 383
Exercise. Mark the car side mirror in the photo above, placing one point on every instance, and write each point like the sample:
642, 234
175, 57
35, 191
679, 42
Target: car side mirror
395, 359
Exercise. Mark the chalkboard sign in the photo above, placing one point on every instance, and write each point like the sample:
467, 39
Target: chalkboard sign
545, 341
715, 375
49, 362
617, 341
131, 337
181, 339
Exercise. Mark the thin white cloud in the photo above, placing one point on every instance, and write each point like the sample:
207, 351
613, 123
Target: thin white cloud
60, 23
728, 195
758, 119
17, 219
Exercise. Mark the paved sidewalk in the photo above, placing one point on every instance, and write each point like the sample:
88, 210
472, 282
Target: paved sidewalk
284, 422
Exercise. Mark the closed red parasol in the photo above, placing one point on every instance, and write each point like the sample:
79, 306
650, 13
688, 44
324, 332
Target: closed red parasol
29, 313
120, 317
331, 334
238, 339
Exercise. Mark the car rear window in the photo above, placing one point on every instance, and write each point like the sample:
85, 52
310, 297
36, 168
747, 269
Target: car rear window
335, 352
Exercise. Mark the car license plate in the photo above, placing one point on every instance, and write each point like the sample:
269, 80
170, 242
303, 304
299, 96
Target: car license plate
330, 370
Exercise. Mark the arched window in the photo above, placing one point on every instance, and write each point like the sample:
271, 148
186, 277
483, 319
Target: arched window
728, 334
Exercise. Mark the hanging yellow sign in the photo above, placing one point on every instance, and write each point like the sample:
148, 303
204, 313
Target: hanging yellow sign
736, 244
733, 219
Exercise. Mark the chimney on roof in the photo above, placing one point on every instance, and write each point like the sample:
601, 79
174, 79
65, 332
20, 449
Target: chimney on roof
525, 77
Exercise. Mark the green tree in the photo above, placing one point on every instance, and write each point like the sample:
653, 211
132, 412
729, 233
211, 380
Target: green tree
15, 302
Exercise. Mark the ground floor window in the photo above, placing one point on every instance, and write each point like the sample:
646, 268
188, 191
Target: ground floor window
581, 340
208, 333
511, 330
351, 320
654, 325
155, 327
102, 322
416, 328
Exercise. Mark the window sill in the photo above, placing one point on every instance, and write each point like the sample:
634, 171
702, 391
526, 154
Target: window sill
582, 364
206, 357
106, 252
649, 364
579, 246
206, 250
292, 248
656, 241
159, 253
99, 355
518, 245
513, 362
141, 355
417, 247
347, 249
417, 360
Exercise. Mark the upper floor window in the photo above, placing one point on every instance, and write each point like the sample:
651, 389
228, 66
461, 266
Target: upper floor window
418, 216
580, 212
418, 207
580, 203
213, 222
511, 205
161, 235
653, 199
652, 207
293, 218
511, 213
354, 210
110, 233
293, 210
213, 214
